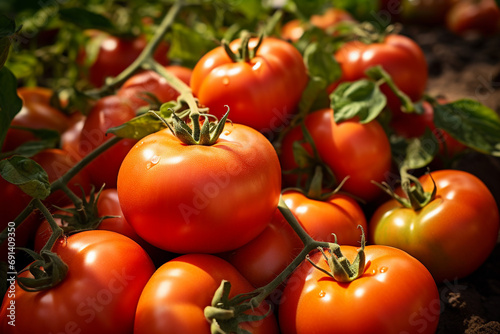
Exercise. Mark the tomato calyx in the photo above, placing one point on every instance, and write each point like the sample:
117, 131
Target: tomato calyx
83, 217
341, 269
244, 53
416, 197
226, 314
198, 134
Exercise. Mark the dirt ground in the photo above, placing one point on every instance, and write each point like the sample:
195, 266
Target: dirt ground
468, 67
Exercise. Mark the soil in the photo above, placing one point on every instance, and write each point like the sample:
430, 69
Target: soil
467, 67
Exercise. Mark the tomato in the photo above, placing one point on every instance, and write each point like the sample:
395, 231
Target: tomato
268, 254
399, 56
108, 112
360, 151
293, 29
474, 16
175, 297
339, 214
36, 113
56, 163
106, 274
151, 82
395, 294
452, 235
197, 198
410, 125
115, 54
70, 139
262, 92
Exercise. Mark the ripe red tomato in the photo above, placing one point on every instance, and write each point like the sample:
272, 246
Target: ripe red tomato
175, 297
262, 92
361, 151
107, 272
268, 254
293, 30
115, 54
108, 112
151, 82
410, 125
36, 113
399, 56
196, 198
395, 294
478, 16
452, 235
339, 214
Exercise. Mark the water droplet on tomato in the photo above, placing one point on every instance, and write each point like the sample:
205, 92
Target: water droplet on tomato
155, 159
225, 81
383, 269
322, 294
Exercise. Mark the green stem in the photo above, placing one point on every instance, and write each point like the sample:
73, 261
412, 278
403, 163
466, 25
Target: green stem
145, 55
57, 231
290, 218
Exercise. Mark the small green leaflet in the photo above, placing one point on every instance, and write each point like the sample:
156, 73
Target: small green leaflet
415, 153
321, 64
471, 123
361, 98
27, 175
10, 103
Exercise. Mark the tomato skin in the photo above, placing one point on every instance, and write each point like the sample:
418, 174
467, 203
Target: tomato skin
99, 294
482, 17
116, 54
453, 235
262, 93
396, 294
108, 112
36, 113
398, 55
293, 30
268, 254
152, 82
195, 198
339, 214
191, 280
361, 151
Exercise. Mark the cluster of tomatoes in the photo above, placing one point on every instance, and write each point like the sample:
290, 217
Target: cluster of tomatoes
211, 225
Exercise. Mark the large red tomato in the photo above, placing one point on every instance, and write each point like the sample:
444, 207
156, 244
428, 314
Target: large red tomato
261, 92
175, 297
474, 16
360, 151
108, 112
134, 89
401, 57
339, 214
395, 294
268, 254
196, 198
115, 54
452, 235
106, 274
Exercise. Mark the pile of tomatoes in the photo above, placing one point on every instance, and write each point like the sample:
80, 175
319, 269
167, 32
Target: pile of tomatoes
249, 193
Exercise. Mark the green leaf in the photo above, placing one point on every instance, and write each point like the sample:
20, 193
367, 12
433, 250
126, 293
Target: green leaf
5, 43
10, 103
363, 10
419, 152
145, 124
321, 64
27, 175
250, 8
362, 99
307, 8
86, 19
188, 45
471, 123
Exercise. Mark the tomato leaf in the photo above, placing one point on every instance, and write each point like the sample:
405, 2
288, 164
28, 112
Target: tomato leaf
361, 98
27, 175
363, 10
321, 63
145, 124
10, 103
86, 19
417, 152
471, 123
188, 45
250, 8
307, 8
